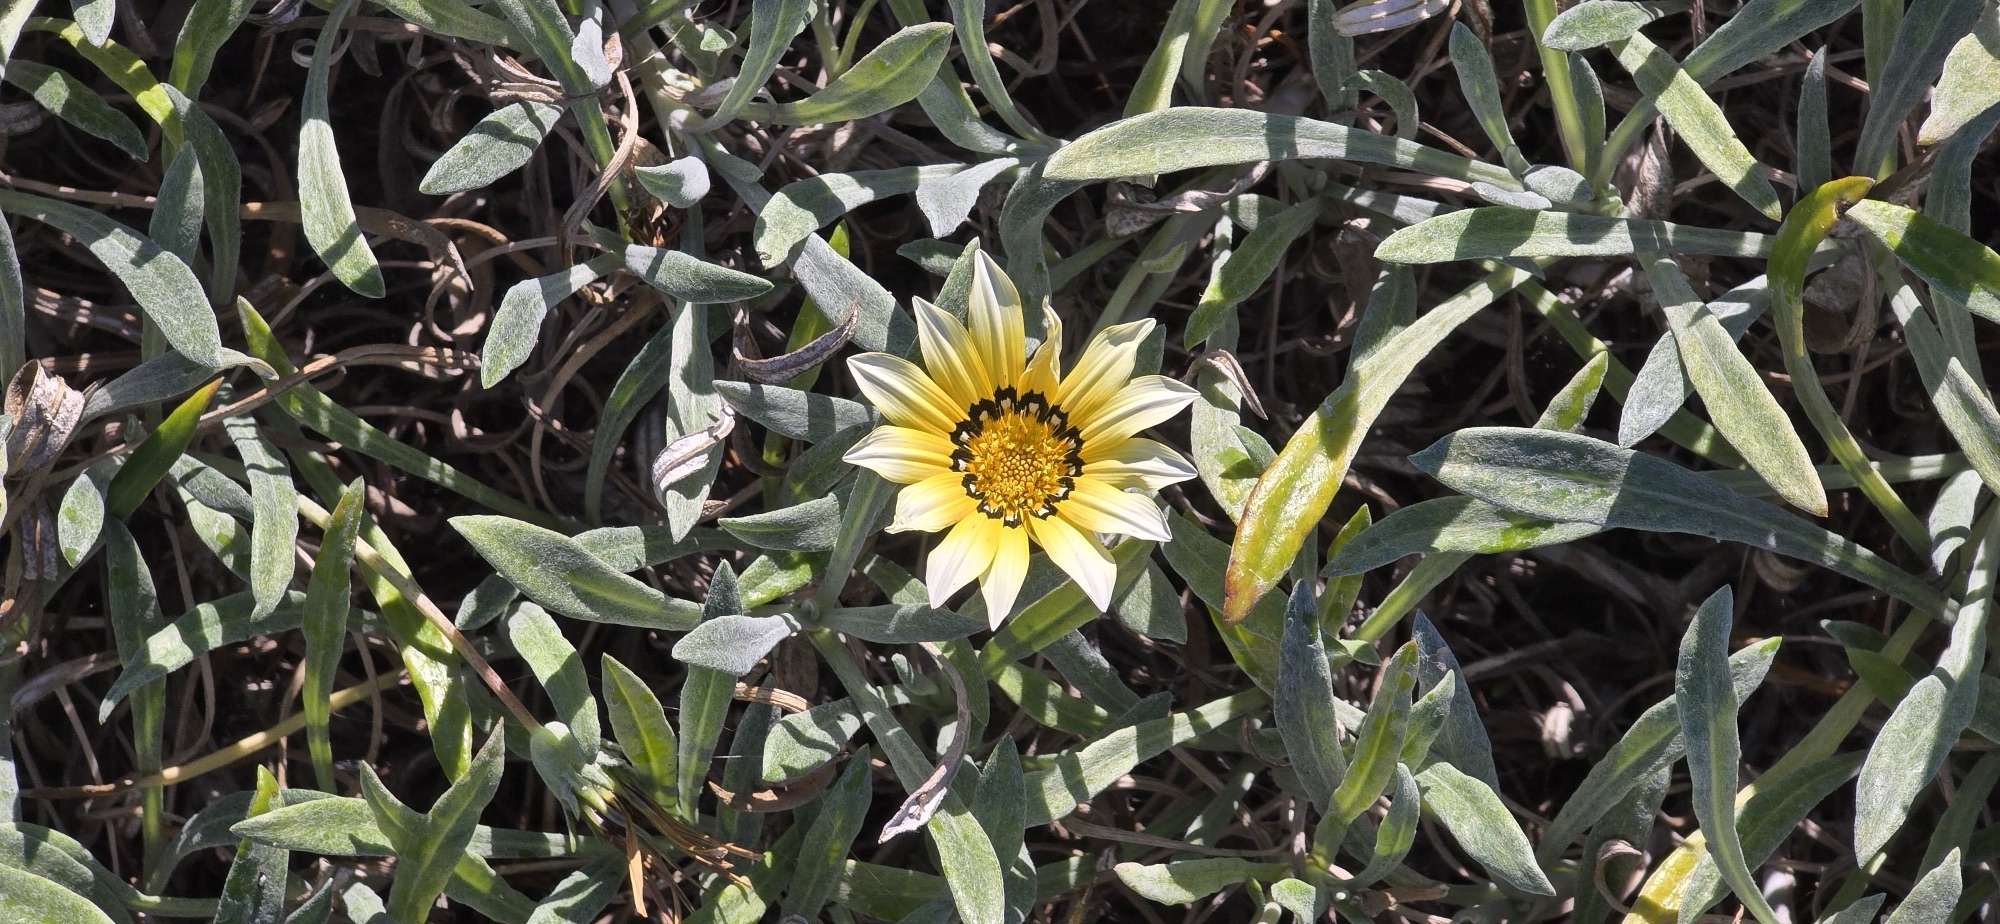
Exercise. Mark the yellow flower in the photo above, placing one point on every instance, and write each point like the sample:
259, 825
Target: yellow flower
999, 447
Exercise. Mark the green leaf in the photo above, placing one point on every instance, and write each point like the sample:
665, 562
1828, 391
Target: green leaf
326, 212
1565, 476
733, 644
1398, 832
803, 206
705, 696
1188, 881
156, 455
1932, 899
552, 570
1462, 742
1767, 819
204, 628
1186, 137
1078, 775
164, 287
1303, 704
314, 822
1953, 264
1969, 83
804, 742
889, 76
1494, 232
1479, 821
1698, 120
74, 102
254, 892
324, 622
808, 527
1707, 704
1928, 31
1652, 744
801, 415
823, 851
689, 279
1738, 402
1476, 80
1661, 386
275, 529
1593, 23
1378, 741
517, 325
209, 23
540, 642
1250, 265
644, 736
1286, 504
430, 845
900, 624
679, 183
773, 23
30, 899
498, 145
1450, 524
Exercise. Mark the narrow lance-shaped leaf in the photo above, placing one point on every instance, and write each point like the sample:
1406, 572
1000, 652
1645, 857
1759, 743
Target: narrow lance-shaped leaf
1699, 121
156, 454
1707, 705
1304, 703
163, 285
275, 529
1738, 401
639, 723
327, 214
888, 76
324, 625
498, 145
76, 103
431, 845
1289, 498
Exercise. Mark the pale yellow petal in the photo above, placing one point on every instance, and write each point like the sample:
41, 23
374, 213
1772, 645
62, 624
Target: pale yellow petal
1104, 368
1147, 401
965, 553
1044, 372
1001, 584
902, 455
1135, 463
933, 504
1099, 508
1079, 556
903, 393
993, 312
949, 356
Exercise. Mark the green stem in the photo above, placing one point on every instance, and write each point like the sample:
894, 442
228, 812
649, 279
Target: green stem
1562, 89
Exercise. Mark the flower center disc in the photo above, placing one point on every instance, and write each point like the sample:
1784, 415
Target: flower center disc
1019, 454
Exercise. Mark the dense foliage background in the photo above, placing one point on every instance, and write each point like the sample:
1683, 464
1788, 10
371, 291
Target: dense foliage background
423, 475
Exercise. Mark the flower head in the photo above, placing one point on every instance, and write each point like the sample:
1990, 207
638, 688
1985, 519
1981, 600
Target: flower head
999, 447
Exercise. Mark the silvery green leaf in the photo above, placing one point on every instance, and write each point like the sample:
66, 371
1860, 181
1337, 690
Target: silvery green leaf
1969, 83
1707, 702
1476, 80
891, 74
1402, 102
947, 201
552, 570
807, 527
327, 211
1932, 899
1558, 184
1186, 881
1661, 386
1480, 822
1593, 23
1450, 524
1494, 232
1863, 911
773, 24
76, 103
804, 742
588, 53
275, 528
1652, 744
900, 624
165, 288
1927, 32
498, 145
689, 279
801, 415
734, 644
1566, 476
679, 183
804, 206
517, 325
1186, 137
1767, 819
540, 642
